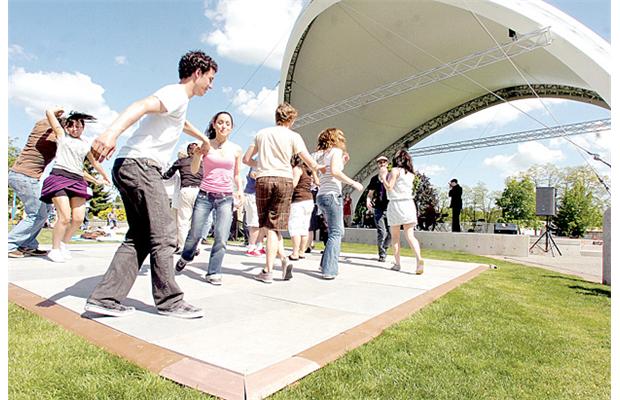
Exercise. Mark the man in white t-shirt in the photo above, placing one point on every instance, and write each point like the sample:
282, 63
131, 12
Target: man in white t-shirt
138, 177
274, 183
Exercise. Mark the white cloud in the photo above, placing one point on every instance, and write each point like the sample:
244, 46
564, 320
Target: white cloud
38, 91
18, 52
505, 113
120, 60
528, 153
261, 106
250, 31
430, 170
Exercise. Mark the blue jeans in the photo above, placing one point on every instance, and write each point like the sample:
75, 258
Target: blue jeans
25, 233
331, 207
222, 204
384, 236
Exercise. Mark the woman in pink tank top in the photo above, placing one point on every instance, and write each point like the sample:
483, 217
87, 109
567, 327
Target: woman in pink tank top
221, 189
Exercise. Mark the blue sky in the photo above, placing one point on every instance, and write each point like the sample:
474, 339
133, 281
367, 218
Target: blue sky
99, 56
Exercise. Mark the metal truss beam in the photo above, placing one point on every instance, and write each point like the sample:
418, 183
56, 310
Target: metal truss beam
480, 103
524, 44
580, 128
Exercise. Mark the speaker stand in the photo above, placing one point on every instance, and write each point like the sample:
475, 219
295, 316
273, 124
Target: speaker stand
548, 239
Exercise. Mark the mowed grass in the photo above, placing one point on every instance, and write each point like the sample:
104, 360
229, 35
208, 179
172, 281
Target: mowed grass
513, 333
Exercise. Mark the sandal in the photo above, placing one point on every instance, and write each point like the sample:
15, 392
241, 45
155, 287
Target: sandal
420, 267
293, 258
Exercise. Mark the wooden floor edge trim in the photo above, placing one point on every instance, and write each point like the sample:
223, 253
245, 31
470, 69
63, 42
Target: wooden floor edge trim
335, 347
144, 354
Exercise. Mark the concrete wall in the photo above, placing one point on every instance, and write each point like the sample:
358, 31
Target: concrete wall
475, 243
607, 247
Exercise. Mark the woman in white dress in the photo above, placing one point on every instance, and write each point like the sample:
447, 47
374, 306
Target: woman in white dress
401, 208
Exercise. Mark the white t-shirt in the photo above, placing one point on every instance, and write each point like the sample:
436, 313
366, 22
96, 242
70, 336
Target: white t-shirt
71, 153
276, 146
158, 133
329, 184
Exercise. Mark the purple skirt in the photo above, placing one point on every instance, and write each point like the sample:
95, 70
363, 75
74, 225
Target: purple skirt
73, 187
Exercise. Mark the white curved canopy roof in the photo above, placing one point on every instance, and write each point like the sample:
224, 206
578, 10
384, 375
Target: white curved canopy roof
339, 49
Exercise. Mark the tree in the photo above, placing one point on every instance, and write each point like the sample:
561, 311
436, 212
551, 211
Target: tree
13, 152
518, 201
577, 211
101, 199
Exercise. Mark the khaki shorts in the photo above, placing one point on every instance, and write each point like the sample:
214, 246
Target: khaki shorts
273, 202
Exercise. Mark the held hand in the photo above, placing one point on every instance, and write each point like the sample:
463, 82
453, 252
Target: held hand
59, 111
103, 147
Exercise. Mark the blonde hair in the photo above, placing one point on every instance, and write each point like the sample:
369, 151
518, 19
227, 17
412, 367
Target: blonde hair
285, 113
331, 137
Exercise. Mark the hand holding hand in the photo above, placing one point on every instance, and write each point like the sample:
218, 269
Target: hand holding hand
104, 146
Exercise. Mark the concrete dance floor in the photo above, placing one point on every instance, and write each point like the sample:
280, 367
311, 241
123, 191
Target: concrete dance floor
255, 338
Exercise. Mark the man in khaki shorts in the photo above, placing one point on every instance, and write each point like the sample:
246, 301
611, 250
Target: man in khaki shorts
274, 183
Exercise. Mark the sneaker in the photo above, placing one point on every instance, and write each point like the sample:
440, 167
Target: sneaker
253, 253
308, 250
214, 279
16, 254
204, 241
329, 277
31, 252
180, 264
66, 253
287, 272
110, 309
183, 310
420, 267
264, 277
197, 252
56, 256
395, 267
381, 258
262, 251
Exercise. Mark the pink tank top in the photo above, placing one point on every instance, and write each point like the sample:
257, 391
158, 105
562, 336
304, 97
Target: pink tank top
217, 173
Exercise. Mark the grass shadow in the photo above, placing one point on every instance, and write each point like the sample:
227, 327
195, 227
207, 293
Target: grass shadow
592, 291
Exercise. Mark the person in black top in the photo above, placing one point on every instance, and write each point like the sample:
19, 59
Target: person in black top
456, 204
190, 185
377, 201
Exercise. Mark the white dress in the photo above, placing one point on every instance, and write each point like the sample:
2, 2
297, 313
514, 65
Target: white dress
401, 208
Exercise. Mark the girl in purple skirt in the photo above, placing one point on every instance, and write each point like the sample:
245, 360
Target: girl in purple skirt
66, 186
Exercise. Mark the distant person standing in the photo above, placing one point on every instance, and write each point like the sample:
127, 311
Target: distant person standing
347, 210
377, 202
137, 175
190, 185
456, 204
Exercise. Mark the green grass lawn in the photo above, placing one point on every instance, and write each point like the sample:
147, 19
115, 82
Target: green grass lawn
513, 333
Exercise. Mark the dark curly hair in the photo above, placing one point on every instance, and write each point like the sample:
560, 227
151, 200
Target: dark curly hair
193, 60
210, 132
75, 116
403, 160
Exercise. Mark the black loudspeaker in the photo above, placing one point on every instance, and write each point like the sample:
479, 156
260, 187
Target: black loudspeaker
545, 201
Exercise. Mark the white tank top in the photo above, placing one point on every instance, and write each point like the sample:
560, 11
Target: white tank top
329, 184
403, 188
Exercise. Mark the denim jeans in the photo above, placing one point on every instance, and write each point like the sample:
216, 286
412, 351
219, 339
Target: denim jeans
222, 204
25, 233
331, 207
384, 236
151, 232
